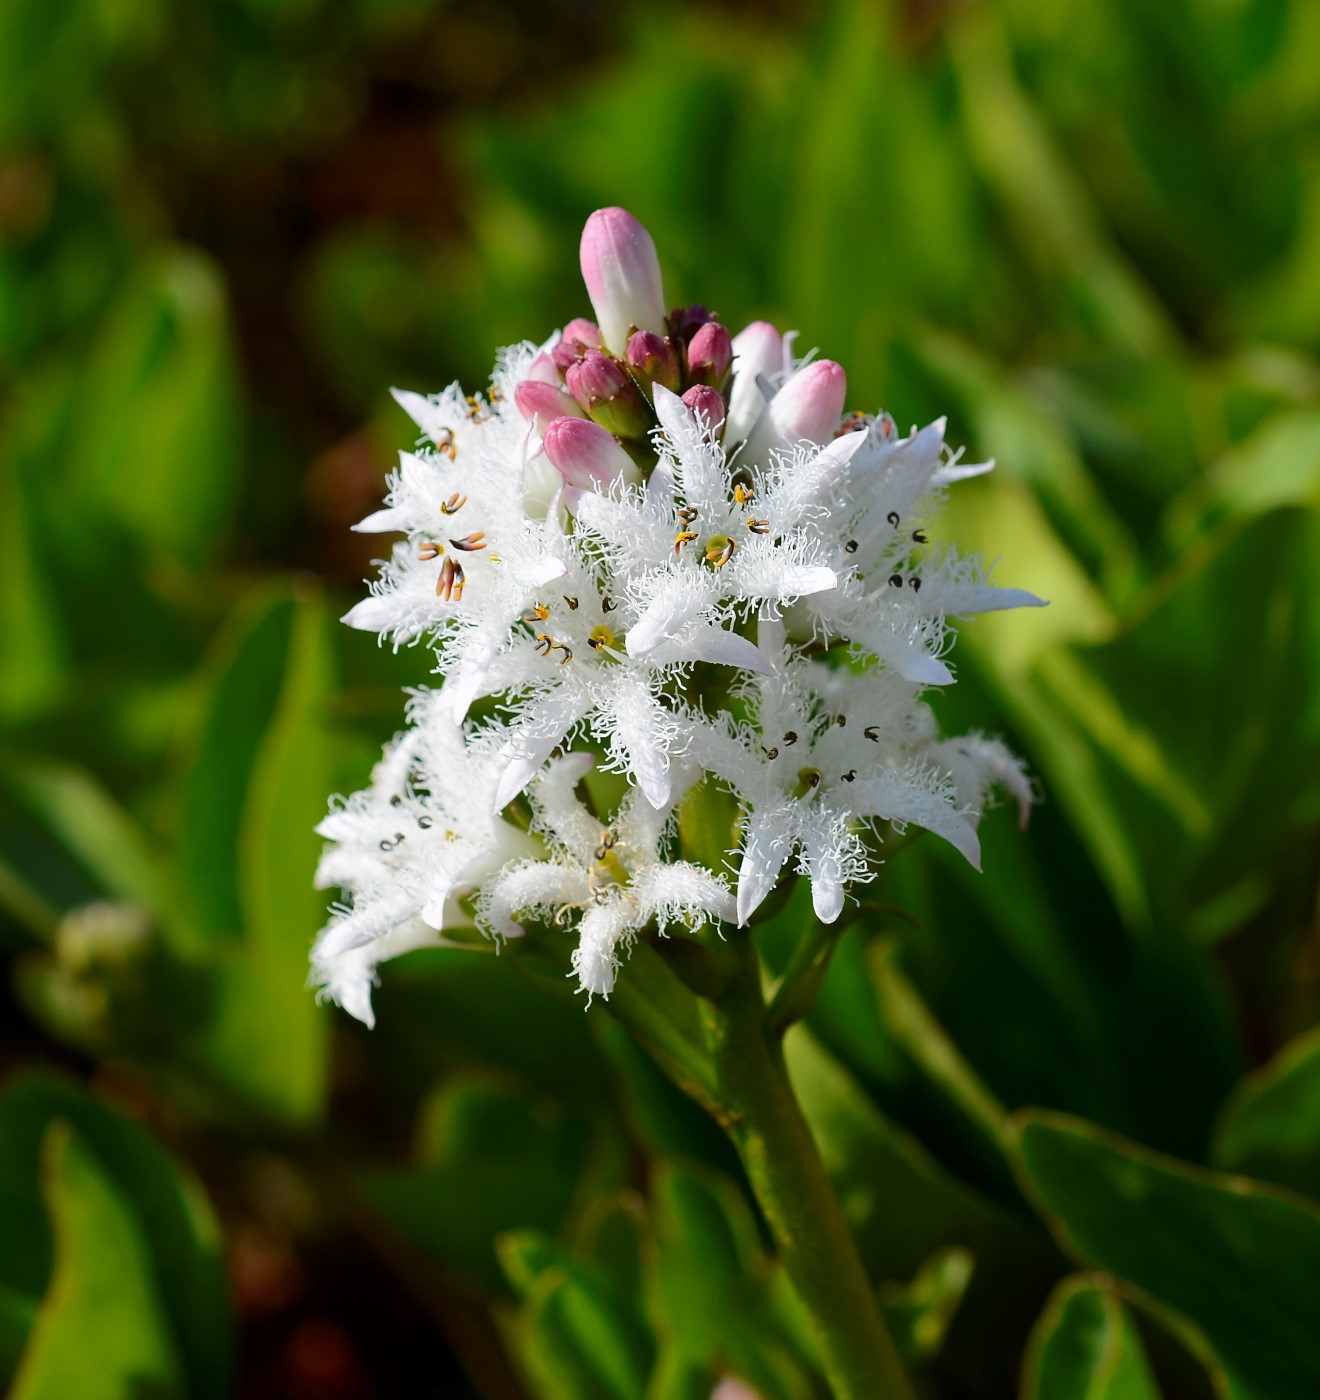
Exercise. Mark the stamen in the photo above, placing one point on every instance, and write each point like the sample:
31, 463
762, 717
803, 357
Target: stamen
850, 776
430, 550
459, 578
607, 604
568, 653
687, 514
919, 537
544, 643
872, 732
742, 494
896, 580
388, 845
444, 585
719, 550
771, 754
476, 540
841, 720
444, 442
454, 504
572, 602
426, 823
791, 737
893, 517
808, 780
539, 613
758, 527
850, 547
683, 537
914, 584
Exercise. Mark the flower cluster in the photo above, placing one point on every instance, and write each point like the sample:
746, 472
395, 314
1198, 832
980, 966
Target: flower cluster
668, 551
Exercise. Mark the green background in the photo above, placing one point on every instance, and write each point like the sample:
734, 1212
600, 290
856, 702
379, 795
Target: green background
1072, 1105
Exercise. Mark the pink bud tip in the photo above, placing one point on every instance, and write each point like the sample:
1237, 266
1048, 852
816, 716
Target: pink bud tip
811, 402
622, 273
707, 404
595, 377
653, 359
808, 408
542, 403
710, 353
583, 332
585, 455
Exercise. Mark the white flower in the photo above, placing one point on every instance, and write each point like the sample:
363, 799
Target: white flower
473, 506
583, 547
405, 851
701, 540
894, 594
830, 752
616, 878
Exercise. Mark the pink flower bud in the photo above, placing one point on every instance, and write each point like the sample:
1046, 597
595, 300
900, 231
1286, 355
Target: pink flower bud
654, 360
544, 370
807, 407
542, 403
758, 351
709, 354
586, 456
609, 394
583, 332
707, 404
622, 273
688, 320
579, 336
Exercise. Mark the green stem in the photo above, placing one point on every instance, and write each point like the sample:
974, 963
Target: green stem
740, 1079
761, 1114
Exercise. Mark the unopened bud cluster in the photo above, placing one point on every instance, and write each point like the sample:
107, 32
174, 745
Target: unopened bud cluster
669, 551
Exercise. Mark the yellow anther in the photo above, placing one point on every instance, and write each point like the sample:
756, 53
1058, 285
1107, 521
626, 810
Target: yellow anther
758, 527
683, 537
742, 494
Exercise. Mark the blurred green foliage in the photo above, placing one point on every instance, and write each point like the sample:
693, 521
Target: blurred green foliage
1086, 230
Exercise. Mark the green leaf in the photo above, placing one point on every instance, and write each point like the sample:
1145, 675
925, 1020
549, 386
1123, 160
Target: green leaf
155, 445
726, 1305
1270, 1127
29, 619
18, 1311
247, 669
493, 1161
577, 1343
1239, 1260
268, 1036
1085, 1347
174, 1218
101, 1330
91, 825
920, 1313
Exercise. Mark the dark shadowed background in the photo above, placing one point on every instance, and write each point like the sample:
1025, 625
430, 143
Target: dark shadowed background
1088, 231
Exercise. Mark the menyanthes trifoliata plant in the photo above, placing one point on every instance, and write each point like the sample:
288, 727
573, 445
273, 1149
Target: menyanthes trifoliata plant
668, 552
